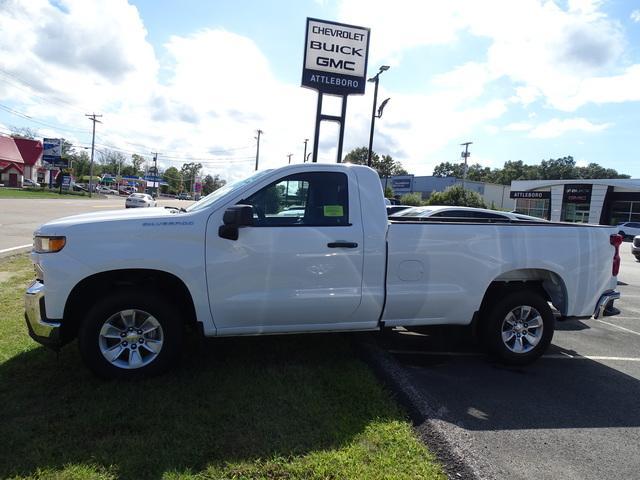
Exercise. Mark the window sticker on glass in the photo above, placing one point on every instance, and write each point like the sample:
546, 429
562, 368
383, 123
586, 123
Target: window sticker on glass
333, 211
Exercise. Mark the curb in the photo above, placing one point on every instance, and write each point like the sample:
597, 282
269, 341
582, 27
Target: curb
442, 439
9, 252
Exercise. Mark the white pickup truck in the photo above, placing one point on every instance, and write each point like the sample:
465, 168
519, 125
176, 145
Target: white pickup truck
239, 262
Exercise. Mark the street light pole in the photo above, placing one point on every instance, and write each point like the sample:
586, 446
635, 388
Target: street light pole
375, 80
260, 132
304, 156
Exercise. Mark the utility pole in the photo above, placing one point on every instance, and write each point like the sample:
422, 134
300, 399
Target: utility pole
290, 155
156, 183
304, 156
93, 118
260, 132
465, 155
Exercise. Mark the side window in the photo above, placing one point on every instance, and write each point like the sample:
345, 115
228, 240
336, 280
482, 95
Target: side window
311, 199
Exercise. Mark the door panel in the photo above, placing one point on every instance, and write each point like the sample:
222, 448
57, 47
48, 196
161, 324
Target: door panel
282, 274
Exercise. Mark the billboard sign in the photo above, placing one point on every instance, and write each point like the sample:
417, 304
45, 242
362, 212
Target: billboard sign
66, 182
335, 57
52, 152
402, 184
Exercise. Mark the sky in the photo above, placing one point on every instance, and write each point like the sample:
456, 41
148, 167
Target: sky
194, 80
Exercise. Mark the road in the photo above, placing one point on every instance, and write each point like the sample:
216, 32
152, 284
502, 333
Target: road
575, 414
20, 217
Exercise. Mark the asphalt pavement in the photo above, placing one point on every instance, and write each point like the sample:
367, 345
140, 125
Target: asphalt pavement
574, 414
20, 217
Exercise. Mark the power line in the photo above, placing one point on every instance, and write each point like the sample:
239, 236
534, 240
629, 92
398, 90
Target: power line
19, 83
41, 122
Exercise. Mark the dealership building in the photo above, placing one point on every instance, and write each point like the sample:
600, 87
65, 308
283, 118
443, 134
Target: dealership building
492, 194
603, 201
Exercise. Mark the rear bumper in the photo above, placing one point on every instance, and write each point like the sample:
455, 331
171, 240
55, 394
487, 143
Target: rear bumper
41, 329
605, 300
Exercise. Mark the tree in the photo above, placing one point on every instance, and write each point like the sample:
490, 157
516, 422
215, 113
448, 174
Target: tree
136, 162
174, 178
189, 172
23, 132
388, 192
457, 196
112, 161
211, 184
563, 168
414, 199
386, 166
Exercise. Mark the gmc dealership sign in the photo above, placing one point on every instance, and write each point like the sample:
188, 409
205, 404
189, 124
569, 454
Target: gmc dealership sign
335, 57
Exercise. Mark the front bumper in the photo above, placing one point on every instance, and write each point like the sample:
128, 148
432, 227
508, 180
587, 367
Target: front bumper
41, 329
606, 300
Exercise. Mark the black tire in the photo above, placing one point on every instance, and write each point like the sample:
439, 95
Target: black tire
154, 304
495, 319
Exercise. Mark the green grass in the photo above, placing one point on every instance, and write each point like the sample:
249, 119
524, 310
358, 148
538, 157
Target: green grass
33, 193
290, 407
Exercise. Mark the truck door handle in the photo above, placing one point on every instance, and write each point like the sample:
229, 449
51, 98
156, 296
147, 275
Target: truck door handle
342, 245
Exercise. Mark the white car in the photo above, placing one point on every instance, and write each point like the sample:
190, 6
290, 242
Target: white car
27, 182
105, 190
140, 200
629, 229
468, 213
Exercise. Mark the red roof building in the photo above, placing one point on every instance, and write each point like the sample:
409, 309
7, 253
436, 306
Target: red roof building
19, 158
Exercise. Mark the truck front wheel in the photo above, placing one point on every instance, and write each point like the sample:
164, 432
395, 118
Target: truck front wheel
519, 327
130, 334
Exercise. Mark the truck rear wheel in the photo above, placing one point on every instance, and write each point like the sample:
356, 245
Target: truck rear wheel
519, 327
130, 334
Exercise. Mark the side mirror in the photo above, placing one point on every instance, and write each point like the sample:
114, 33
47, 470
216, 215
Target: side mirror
235, 217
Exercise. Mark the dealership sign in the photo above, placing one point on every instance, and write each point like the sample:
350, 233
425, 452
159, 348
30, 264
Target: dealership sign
530, 195
575, 193
335, 57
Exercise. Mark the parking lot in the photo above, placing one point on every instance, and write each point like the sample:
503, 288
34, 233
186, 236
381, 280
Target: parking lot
573, 415
19, 218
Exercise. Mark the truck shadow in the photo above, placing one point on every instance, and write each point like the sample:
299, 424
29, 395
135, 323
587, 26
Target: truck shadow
468, 389
231, 400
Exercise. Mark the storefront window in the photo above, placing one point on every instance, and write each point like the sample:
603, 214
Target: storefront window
575, 213
533, 206
625, 212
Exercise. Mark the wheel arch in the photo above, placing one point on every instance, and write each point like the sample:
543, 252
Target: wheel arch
547, 283
84, 294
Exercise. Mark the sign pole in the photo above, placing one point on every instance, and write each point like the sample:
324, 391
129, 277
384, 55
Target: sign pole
316, 135
342, 122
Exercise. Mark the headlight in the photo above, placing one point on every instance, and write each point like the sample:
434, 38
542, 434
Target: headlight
48, 244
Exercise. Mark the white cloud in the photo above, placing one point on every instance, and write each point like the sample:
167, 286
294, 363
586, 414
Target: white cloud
635, 16
518, 127
547, 51
556, 128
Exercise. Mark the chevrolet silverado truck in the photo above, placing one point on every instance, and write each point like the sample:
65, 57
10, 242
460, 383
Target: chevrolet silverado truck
125, 283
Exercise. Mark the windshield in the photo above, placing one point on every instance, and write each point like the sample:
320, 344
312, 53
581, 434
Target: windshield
228, 188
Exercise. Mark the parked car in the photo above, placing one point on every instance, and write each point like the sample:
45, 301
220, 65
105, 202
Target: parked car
27, 182
126, 283
629, 229
445, 211
126, 190
105, 190
136, 200
635, 247
183, 196
393, 209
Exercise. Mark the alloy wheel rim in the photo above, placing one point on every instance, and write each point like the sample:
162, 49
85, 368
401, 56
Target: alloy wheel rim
522, 329
131, 339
